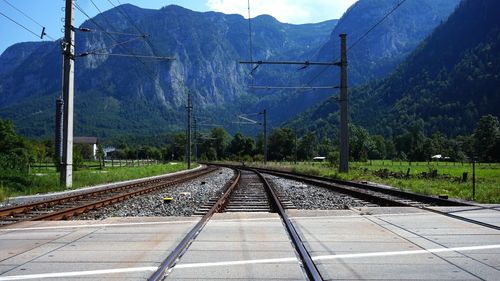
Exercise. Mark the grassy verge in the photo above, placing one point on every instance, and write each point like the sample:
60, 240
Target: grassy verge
48, 180
447, 180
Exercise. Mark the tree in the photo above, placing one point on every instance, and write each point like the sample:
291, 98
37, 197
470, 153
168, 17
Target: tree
15, 152
241, 145
411, 143
179, 146
486, 137
100, 155
379, 151
360, 143
306, 147
220, 142
281, 144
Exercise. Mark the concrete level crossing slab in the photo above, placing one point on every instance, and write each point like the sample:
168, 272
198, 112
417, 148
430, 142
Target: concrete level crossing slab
240, 247
488, 213
378, 244
115, 248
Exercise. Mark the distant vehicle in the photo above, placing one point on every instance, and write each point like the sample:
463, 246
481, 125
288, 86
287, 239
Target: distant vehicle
319, 159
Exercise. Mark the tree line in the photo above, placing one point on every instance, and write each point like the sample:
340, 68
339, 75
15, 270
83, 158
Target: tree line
284, 144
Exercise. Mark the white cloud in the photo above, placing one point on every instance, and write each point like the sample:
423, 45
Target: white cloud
291, 11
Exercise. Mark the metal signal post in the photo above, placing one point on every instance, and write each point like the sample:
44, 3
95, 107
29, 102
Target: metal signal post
68, 47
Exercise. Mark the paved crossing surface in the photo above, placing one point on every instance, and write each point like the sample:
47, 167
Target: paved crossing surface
370, 244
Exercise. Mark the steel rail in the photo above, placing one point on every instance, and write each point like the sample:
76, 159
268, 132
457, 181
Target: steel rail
394, 192
170, 261
309, 266
315, 180
438, 201
141, 188
356, 189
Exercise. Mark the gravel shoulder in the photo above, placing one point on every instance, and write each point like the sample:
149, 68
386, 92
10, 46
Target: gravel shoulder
19, 200
310, 197
187, 197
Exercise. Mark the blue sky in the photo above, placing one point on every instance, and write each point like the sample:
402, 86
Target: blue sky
49, 12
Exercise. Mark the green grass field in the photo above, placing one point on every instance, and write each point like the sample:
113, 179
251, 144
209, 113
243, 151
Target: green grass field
448, 180
47, 179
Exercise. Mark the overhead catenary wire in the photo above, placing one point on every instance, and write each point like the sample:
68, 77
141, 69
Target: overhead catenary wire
114, 45
376, 24
351, 46
152, 75
129, 19
30, 18
84, 29
110, 24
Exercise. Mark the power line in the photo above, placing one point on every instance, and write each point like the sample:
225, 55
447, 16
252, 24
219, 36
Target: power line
109, 32
129, 19
110, 24
24, 27
361, 37
376, 24
149, 72
33, 20
114, 45
114, 40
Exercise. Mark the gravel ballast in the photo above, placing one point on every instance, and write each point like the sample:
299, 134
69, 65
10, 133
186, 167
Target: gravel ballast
19, 200
309, 197
187, 197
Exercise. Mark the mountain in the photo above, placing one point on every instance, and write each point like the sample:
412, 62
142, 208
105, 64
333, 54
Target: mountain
370, 57
123, 95
449, 81
391, 41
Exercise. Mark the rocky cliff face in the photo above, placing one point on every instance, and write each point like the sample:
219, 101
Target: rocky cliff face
140, 92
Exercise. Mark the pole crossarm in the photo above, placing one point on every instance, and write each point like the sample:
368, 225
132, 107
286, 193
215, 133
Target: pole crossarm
293, 62
250, 121
294, 88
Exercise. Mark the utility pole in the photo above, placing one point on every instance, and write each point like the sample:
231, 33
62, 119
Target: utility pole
59, 130
344, 129
189, 109
263, 124
195, 139
68, 46
295, 145
264, 112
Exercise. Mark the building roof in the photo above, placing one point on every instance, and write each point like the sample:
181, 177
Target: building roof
85, 140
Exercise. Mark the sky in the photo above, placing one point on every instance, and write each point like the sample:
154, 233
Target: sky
49, 13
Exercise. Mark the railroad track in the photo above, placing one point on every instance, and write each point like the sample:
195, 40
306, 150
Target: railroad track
248, 191
380, 195
68, 206
249, 195
367, 192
